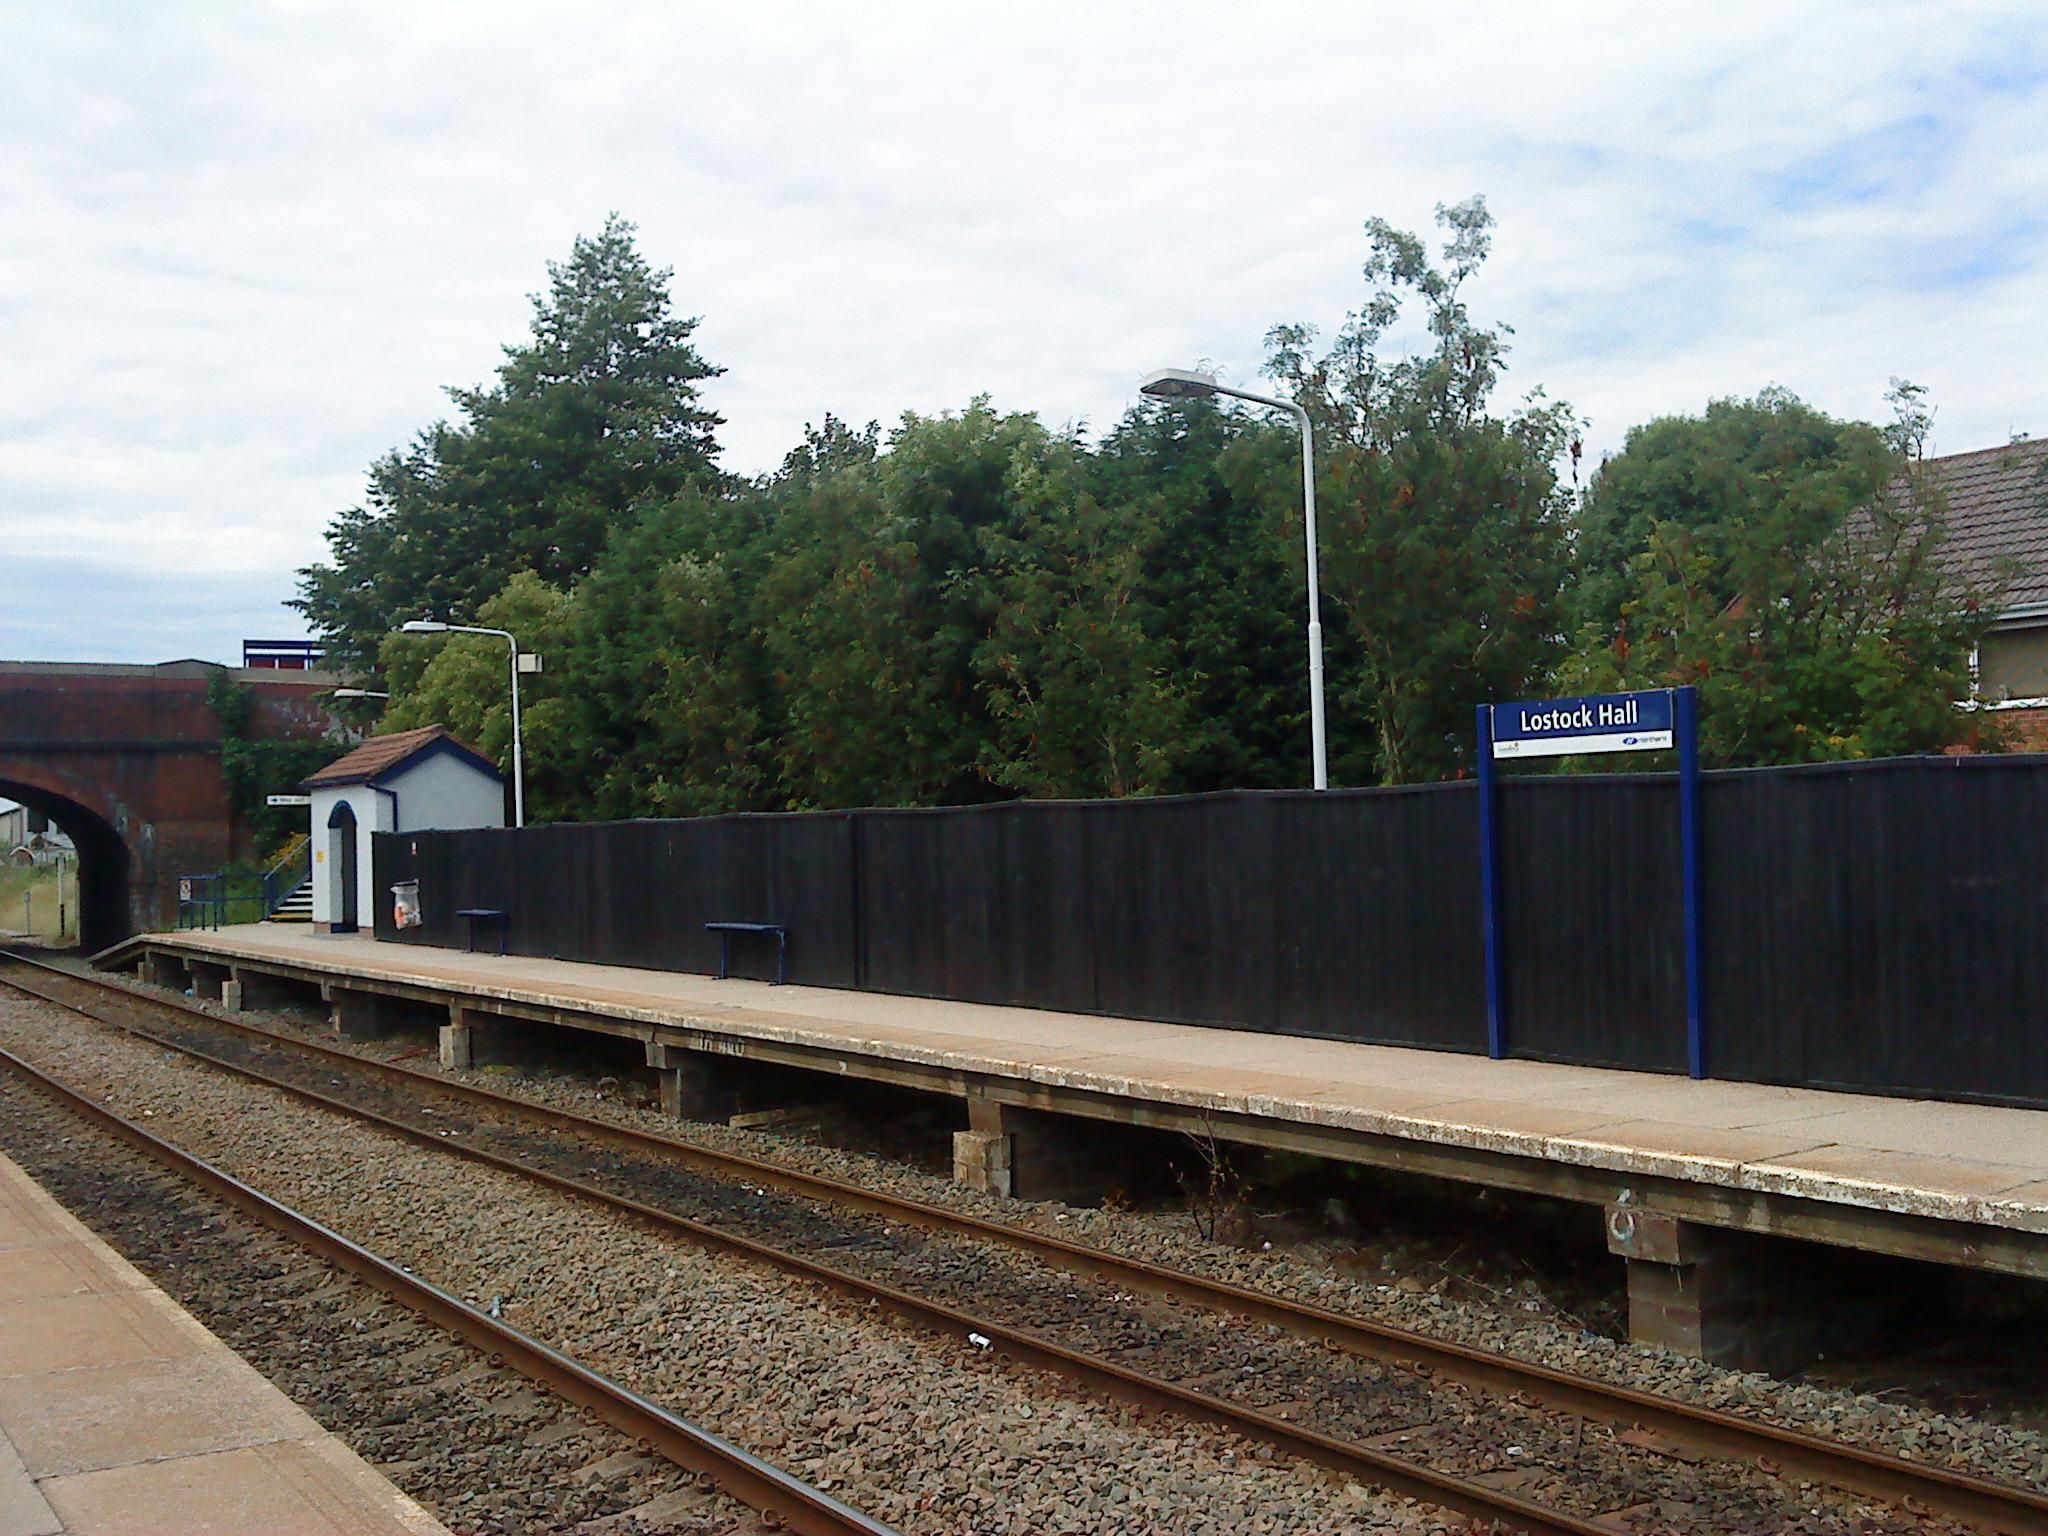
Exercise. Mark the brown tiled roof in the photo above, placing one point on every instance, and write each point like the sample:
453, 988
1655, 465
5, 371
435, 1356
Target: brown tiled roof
380, 754
1998, 510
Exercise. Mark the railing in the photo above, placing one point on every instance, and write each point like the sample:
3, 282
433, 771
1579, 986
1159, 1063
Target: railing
288, 871
225, 896
203, 899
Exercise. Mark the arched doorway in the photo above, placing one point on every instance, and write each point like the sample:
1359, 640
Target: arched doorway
104, 870
344, 887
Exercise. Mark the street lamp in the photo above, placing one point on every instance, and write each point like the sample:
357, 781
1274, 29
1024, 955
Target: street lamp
436, 627
355, 693
1186, 384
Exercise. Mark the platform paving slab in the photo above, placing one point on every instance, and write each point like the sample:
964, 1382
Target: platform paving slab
1906, 1157
120, 1412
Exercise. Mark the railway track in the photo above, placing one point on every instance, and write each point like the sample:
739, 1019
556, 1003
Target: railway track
1380, 1398
783, 1501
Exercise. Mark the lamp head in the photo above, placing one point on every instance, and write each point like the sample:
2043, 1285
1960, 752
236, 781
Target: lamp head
423, 627
356, 693
1178, 384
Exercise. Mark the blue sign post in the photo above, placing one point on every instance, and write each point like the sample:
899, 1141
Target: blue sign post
1648, 721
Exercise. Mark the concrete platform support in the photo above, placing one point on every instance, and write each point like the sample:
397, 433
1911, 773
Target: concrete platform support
1028, 1154
1729, 1298
694, 1086
704, 1085
362, 1015
472, 1038
265, 992
161, 970
208, 979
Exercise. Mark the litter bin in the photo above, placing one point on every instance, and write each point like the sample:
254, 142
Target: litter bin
405, 904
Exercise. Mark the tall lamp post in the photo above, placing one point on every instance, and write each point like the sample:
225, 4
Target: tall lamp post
436, 627
1186, 384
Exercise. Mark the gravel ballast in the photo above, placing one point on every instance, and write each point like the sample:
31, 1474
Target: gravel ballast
931, 1435
476, 1444
1522, 1328
1453, 1438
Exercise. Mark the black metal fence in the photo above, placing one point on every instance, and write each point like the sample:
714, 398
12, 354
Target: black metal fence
1876, 926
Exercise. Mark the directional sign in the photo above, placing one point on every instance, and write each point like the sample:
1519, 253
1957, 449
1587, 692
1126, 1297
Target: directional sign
1598, 722
288, 800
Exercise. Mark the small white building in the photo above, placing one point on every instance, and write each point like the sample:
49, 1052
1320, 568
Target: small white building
410, 781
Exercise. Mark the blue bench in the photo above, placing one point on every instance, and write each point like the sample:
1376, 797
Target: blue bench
488, 914
725, 931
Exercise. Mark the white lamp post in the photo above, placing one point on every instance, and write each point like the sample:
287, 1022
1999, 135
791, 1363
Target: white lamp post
436, 627
1186, 384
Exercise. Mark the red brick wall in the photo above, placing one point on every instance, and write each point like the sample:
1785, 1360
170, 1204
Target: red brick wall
2026, 729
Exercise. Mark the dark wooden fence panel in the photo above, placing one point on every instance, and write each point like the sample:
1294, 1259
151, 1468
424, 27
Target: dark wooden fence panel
1882, 926
1593, 920
902, 873
1018, 918
1169, 896
1376, 916
1874, 926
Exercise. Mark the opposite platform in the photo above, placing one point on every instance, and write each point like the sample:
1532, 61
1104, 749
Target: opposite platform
120, 1415
1959, 1183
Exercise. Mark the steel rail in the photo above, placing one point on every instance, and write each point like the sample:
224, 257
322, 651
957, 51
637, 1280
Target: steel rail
780, 1498
1152, 1393
1795, 1453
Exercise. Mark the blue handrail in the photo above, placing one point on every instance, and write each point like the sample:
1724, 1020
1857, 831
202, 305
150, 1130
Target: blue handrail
204, 900
290, 871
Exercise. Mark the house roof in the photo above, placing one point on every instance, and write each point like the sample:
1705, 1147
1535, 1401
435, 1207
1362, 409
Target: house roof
381, 757
1998, 510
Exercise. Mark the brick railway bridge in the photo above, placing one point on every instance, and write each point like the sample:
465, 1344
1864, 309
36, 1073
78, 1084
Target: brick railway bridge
127, 760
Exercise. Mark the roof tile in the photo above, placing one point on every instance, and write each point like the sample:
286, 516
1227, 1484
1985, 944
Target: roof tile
1998, 510
380, 754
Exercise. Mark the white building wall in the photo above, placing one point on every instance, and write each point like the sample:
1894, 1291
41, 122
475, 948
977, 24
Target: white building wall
441, 792
373, 814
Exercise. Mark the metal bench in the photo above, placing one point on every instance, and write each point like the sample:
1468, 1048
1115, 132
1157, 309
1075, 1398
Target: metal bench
725, 931
488, 914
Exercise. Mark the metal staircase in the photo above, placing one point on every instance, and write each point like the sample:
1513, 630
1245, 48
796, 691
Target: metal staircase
296, 907
288, 884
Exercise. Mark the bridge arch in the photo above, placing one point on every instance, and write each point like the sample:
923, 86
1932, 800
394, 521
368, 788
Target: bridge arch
106, 865
129, 760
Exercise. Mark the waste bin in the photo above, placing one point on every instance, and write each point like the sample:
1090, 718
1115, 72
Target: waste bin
405, 904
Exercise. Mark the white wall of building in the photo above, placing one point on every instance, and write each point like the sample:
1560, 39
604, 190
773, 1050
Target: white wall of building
443, 791
373, 814
439, 792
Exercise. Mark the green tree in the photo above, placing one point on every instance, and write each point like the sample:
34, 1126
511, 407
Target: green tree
1444, 539
464, 683
664, 658
597, 412
1791, 567
872, 612
1080, 689
256, 766
1222, 586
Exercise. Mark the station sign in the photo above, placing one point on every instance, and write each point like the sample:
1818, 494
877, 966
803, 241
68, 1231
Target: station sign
1595, 722
299, 801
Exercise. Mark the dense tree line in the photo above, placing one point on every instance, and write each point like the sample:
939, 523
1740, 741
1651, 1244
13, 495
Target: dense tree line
977, 606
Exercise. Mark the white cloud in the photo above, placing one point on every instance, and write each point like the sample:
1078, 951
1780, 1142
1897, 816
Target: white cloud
246, 247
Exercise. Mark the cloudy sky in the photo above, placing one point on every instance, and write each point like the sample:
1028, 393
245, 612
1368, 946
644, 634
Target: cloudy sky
243, 247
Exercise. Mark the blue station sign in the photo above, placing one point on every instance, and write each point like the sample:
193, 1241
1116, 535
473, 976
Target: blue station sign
1598, 722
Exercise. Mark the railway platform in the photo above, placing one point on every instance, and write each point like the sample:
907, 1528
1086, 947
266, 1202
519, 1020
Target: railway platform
1693, 1179
120, 1413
